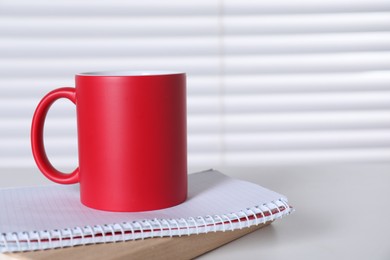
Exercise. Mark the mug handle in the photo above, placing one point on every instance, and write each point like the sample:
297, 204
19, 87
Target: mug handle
37, 145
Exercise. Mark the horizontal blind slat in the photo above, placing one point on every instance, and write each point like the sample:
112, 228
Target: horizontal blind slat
192, 26
187, 46
113, 8
306, 140
375, 155
172, 7
247, 7
314, 63
309, 121
108, 47
68, 67
306, 24
113, 27
306, 83
180, 46
36, 87
306, 43
306, 102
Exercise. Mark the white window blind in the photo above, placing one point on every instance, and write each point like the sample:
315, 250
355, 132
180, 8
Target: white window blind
269, 82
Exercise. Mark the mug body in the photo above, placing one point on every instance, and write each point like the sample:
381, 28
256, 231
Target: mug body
132, 140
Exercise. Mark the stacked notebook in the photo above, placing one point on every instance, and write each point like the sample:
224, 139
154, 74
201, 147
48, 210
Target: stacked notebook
38, 218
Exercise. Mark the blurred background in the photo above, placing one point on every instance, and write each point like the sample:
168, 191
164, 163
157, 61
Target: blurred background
281, 82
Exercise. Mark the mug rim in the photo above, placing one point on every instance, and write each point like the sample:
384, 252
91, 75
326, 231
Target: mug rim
129, 73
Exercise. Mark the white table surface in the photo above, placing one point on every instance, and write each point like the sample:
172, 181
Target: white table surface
342, 212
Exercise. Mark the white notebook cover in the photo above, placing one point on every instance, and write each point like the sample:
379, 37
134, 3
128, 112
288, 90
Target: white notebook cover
52, 216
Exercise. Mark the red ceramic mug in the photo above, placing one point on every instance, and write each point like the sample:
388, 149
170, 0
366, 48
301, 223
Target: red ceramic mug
132, 139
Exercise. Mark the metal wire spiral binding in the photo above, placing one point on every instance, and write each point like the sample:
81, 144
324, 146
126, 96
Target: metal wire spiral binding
70, 235
107, 229
246, 217
160, 227
277, 209
195, 224
25, 241
187, 226
258, 211
179, 231
254, 216
59, 237
111, 228
237, 218
178, 227
92, 234
100, 228
48, 236
141, 230
270, 216
151, 227
5, 243
221, 221
213, 222
229, 220
130, 227
81, 235
38, 237
204, 223
267, 209
286, 206
168, 226
121, 229
16, 238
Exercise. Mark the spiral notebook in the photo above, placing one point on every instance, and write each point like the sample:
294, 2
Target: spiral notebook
37, 218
